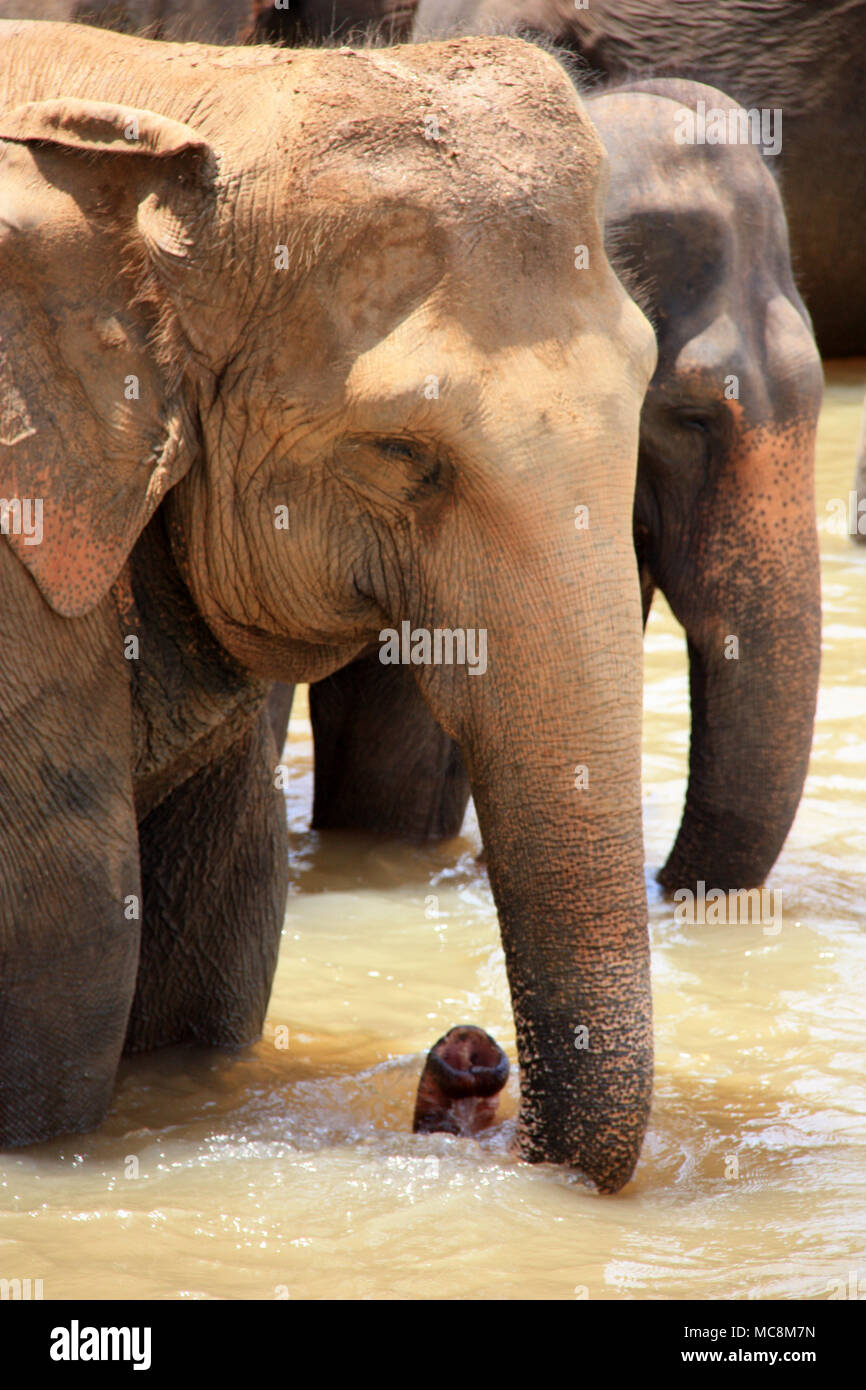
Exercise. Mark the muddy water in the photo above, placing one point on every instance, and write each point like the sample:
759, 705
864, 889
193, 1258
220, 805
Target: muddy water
289, 1170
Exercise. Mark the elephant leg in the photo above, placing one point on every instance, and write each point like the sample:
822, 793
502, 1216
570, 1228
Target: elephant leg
382, 763
69, 880
214, 865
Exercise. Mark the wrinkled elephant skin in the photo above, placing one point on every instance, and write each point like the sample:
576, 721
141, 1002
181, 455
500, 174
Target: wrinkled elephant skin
273, 375
724, 518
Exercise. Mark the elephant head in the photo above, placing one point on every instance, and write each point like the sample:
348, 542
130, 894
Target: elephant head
354, 358
724, 513
724, 516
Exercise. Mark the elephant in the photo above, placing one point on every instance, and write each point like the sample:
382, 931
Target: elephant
298, 23
207, 21
803, 58
724, 518
458, 1092
334, 21
724, 513
276, 379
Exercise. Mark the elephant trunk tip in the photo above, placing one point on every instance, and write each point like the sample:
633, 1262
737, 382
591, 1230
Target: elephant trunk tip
728, 852
462, 1077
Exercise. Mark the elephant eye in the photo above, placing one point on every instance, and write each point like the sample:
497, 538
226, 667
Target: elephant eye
400, 449
699, 432
694, 420
426, 465
398, 467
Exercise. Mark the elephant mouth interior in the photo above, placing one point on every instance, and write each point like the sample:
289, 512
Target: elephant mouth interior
467, 1062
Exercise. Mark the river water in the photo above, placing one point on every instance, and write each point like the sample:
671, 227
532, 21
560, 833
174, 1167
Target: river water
289, 1170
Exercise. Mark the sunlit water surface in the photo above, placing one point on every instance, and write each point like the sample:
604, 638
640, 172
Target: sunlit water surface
290, 1171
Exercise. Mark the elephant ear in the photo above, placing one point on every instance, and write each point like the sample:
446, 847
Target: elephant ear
99, 208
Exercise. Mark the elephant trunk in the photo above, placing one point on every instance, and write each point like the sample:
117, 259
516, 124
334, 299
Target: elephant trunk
550, 735
568, 887
459, 1088
751, 610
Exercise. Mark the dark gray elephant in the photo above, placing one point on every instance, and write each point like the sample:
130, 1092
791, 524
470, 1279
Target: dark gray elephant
333, 21
292, 22
206, 21
724, 516
268, 385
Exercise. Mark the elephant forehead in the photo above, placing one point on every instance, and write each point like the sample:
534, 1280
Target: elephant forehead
366, 253
649, 144
373, 218
400, 269
487, 127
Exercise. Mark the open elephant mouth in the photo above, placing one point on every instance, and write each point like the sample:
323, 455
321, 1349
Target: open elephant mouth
464, 1073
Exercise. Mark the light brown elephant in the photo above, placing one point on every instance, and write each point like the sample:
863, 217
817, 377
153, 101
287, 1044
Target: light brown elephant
281, 370
724, 517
